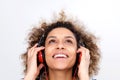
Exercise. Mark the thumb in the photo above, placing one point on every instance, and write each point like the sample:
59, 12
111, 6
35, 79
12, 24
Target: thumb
39, 68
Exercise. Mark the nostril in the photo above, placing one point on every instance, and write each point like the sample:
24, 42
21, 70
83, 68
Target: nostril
60, 46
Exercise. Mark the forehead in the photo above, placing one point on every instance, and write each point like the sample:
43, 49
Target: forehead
61, 31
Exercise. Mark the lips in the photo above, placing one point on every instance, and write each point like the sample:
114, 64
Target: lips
60, 55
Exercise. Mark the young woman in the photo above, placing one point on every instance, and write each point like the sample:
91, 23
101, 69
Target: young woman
68, 52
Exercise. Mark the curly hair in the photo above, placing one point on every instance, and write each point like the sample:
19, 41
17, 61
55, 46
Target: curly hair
81, 35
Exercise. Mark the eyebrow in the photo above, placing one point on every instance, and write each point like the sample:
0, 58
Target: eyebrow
65, 37
51, 37
69, 37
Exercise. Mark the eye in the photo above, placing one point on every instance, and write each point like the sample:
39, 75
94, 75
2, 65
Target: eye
52, 41
69, 41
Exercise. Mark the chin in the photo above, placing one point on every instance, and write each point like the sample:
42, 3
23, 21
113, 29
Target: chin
60, 64
61, 67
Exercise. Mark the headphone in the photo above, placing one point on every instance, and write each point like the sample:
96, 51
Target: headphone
41, 55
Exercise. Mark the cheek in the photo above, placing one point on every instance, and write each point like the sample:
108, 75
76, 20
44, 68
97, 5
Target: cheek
73, 57
72, 51
48, 55
72, 54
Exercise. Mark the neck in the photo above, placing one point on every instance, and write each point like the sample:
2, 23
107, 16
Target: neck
60, 74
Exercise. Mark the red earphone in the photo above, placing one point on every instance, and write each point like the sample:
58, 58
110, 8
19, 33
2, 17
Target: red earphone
79, 59
40, 57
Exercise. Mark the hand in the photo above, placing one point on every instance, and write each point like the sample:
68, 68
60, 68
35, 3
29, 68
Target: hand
83, 68
32, 68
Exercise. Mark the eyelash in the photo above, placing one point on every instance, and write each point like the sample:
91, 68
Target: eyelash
51, 41
69, 41
54, 41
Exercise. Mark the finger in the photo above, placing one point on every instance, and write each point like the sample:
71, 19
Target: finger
87, 54
30, 50
33, 48
81, 50
39, 68
36, 50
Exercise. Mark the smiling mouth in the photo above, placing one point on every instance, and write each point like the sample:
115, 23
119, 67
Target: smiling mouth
60, 56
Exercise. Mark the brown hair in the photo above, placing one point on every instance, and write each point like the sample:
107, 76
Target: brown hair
87, 38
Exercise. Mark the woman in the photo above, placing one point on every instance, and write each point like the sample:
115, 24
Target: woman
70, 52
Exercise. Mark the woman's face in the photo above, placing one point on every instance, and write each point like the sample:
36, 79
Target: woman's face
60, 49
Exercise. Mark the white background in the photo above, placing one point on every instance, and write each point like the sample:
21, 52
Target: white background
102, 17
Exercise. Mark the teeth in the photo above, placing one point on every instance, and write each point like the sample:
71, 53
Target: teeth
60, 56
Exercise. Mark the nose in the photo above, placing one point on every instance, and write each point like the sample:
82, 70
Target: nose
60, 45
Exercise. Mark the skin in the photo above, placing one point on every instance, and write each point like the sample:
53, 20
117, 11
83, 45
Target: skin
59, 41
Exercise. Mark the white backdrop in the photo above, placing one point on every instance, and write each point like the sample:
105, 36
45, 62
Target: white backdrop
102, 17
